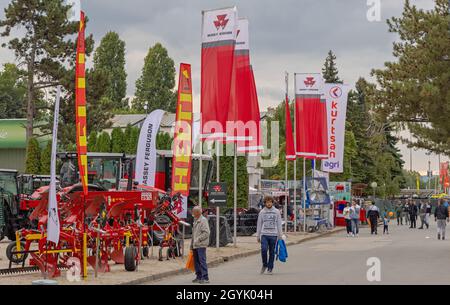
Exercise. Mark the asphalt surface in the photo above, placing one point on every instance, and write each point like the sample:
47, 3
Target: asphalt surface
406, 256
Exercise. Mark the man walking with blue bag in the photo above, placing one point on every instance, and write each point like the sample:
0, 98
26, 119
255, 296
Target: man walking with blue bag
269, 230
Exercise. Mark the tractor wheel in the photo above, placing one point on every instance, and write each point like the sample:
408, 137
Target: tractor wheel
15, 258
130, 258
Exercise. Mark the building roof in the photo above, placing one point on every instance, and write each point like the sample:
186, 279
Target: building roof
13, 134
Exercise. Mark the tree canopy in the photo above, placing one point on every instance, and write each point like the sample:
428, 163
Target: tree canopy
415, 89
156, 84
109, 57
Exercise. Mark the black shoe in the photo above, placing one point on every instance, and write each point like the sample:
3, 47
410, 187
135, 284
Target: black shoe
443, 237
439, 236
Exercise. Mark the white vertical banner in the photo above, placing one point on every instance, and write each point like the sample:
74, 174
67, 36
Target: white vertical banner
146, 157
74, 13
53, 225
336, 96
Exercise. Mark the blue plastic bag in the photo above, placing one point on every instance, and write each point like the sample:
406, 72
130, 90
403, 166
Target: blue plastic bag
281, 251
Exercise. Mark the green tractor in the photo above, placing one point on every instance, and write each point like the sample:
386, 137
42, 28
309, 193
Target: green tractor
11, 217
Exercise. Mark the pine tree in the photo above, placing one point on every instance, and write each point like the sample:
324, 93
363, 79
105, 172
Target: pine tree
109, 57
33, 158
164, 141
92, 142
43, 46
131, 139
156, 84
414, 89
117, 141
103, 143
330, 71
99, 107
12, 93
46, 159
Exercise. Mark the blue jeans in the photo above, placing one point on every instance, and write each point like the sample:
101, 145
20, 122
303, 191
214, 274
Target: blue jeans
355, 226
268, 243
201, 268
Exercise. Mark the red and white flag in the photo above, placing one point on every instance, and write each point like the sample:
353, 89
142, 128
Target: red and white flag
243, 115
311, 117
219, 33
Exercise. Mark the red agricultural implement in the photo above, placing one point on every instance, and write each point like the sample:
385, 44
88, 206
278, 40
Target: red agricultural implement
107, 226
117, 222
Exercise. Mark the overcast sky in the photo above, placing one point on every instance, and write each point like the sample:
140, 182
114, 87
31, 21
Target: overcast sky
285, 35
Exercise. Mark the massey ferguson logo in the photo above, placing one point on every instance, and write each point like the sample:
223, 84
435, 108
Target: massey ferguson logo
221, 22
310, 82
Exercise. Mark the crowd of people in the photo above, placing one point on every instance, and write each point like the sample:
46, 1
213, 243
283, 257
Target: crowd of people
410, 212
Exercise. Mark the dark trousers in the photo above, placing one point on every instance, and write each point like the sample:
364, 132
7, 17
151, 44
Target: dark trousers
373, 224
348, 224
268, 244
201, 268
399, 220
385, 229
413, 221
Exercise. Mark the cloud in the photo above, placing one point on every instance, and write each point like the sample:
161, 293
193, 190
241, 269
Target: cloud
286, 35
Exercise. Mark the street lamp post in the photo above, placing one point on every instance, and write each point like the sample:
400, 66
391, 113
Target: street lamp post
374, 185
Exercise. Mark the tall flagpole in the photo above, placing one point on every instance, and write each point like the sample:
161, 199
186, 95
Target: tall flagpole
235, 195
295, 149
304, 194
287, 201
200, 176
217, 207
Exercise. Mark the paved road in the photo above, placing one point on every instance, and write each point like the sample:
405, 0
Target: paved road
407, 257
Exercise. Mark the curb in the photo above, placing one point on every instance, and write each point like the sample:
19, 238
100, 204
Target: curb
218, 261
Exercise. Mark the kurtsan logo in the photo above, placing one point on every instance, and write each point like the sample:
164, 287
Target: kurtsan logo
221, 22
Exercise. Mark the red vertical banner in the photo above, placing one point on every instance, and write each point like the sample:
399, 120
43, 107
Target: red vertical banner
182, 145
80, 105
243, 114
311, 117
219, 32
253, 143
444, 177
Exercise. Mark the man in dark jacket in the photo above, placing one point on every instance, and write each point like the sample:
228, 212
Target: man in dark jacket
373, 214
441, 217
413, 211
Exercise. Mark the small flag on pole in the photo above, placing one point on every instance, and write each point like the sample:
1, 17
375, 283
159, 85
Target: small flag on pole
53, 226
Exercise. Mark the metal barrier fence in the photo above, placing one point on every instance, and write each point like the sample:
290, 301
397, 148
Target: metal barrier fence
245, 224
391, 205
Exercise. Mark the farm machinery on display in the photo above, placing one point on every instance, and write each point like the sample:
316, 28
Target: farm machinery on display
118, 221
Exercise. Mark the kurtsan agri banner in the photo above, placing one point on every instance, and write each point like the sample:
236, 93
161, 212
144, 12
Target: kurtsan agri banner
336, 96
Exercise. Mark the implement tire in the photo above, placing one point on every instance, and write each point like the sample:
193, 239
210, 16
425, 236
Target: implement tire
15, 258
130, 258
